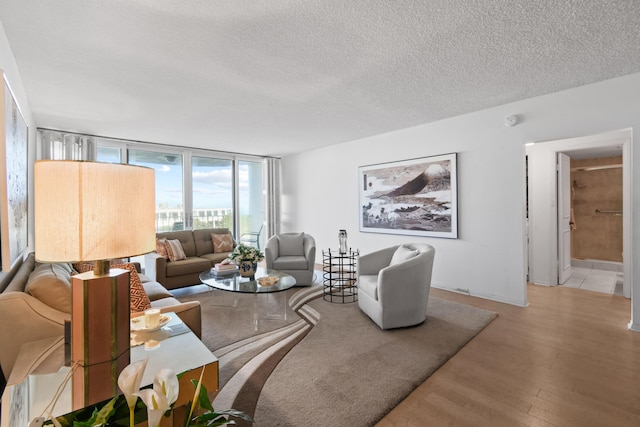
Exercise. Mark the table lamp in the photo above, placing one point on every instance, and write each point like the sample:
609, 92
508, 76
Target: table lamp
89, 211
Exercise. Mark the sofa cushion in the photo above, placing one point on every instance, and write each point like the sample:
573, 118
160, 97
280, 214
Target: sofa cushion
19, 282
188, 266
186, 240
216, 257
298, 262
161, 248
203, 241
51, 284
139, 301
155, 291
291, 244
368, 283
165, 302
402, 254
174, 250
143, 278
222, 242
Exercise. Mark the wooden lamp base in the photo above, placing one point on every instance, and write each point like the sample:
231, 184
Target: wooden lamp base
100, 334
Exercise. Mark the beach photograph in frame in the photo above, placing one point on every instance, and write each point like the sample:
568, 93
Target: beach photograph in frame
416, 197
13, 182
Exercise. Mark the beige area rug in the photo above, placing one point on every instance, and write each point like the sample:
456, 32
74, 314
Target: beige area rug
335, 366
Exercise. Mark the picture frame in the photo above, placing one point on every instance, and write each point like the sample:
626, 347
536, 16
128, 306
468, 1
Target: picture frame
415, 197
13, 178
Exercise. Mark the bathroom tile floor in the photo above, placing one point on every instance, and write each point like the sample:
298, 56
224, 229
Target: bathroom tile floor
594, 280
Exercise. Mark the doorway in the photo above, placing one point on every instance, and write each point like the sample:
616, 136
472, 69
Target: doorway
590, 238
544, 255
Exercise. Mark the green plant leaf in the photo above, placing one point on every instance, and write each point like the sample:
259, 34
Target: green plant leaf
203, 397
235, 413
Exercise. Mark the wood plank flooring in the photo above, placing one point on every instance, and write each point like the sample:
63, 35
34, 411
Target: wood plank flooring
566, 360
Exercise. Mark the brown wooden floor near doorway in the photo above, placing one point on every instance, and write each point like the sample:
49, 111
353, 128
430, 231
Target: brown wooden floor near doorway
566, 360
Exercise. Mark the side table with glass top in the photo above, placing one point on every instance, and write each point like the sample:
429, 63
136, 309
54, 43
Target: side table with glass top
339, 275
40, 370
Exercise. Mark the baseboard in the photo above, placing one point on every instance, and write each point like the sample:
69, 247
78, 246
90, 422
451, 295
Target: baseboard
523, 303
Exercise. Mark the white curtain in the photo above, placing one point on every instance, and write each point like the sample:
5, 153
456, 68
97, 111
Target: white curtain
272, 202
55, 145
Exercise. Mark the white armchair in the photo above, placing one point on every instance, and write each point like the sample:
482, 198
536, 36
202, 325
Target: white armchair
394, 284
292, 253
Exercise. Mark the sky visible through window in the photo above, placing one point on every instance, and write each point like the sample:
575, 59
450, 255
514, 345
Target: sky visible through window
212, 185
212, 180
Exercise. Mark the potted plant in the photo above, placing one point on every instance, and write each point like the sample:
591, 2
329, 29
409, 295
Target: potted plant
158, 400
247, 258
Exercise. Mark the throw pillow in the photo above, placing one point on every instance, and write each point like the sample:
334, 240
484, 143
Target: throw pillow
161, 248
174, 250
51, 284
84, 266
401, 254
222, 242
139, 301
291, 244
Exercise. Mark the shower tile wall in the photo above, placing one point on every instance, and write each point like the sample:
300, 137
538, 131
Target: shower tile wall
597, 236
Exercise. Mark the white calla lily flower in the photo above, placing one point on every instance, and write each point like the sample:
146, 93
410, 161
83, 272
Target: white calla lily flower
156, 403
130, 379
166, 383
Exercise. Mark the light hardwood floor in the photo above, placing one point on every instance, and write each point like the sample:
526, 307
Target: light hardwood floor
566, 360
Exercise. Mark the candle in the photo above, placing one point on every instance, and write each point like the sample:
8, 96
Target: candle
152, 317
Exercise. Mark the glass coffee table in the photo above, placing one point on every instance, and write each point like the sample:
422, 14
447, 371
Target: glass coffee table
234, 282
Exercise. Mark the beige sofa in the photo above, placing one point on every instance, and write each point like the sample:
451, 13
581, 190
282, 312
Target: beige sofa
197, 246
35, 301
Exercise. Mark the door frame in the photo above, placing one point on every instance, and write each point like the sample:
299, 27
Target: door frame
564, 217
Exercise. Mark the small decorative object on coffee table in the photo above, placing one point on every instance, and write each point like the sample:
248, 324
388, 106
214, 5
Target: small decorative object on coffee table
339, 275
247, 258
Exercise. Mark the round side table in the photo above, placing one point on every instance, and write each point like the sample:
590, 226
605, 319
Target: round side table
339, 276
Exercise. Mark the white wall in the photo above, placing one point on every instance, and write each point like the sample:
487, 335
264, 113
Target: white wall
10, 68
320, 187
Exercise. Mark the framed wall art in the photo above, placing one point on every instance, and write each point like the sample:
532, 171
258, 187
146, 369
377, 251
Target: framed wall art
416, 197
13, 178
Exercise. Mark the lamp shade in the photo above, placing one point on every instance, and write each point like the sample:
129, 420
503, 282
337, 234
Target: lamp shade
89, 211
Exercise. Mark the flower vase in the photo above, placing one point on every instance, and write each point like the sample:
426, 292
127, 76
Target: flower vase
248, 268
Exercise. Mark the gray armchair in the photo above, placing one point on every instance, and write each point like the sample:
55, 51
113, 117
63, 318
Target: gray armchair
292, 253
394, 284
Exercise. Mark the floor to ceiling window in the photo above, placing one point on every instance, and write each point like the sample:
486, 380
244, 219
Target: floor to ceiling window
212, 193
170, 204
251, 201
195, 188
109, 154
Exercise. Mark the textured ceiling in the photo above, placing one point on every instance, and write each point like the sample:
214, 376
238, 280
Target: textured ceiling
279, 77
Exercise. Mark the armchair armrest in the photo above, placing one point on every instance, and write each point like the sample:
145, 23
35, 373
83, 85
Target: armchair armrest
271, 251
310, 251
373, 262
